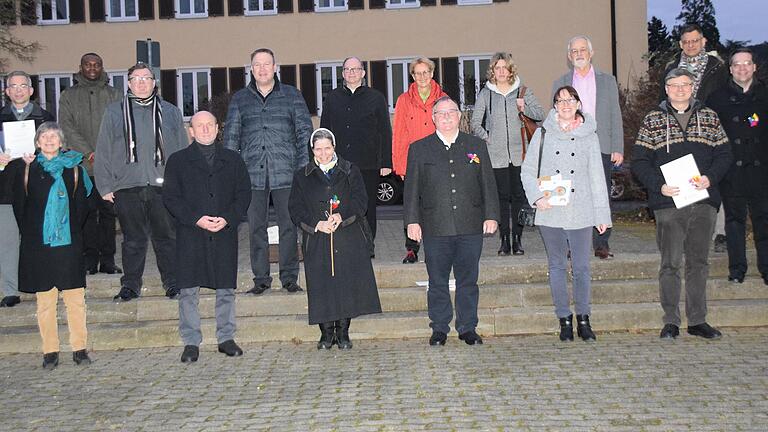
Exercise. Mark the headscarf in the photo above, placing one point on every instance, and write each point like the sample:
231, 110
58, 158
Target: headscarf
56, 230
326, 168
129, 128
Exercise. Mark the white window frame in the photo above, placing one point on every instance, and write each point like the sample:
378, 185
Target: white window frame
122, 18
261, 11
123, 73
52, 21
403, 4
180, 90
473, 2
249, 77
331, 8
391, 97
190, 15
335, 76
41, 89
478, 73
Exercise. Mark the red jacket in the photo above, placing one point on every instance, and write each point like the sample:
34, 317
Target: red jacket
412, 122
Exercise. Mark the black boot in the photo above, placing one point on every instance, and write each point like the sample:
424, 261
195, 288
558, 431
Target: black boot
342, 333
566, 328
584, 329
517, 245
327, 335
505, 248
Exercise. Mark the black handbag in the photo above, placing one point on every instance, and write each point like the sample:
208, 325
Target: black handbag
527, 215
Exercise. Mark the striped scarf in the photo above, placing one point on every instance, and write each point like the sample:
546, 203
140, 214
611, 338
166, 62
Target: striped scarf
129, 128
696, 65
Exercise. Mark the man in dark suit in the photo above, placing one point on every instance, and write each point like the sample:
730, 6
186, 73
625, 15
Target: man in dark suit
450, 201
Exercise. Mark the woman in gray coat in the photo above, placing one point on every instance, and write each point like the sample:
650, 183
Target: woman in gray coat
498, 104
568, 146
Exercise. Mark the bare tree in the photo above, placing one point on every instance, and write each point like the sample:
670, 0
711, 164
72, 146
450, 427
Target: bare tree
12, 46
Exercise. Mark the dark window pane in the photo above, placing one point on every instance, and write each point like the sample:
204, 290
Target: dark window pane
187, 94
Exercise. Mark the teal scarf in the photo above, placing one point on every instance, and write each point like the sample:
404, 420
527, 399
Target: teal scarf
56, 230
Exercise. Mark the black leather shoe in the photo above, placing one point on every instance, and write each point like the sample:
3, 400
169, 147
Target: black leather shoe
505, 248
437, 338
292, 287
704, 330
517, 245
230, 348
471, 338
584, 329
258, 289
737, 279
173, 293
126, 294
720, 244
10, 301
566, 328
191, 354
109, 268
92, 270
81, 357
670, 331
342, 333
50, 360
327, 335
411, 257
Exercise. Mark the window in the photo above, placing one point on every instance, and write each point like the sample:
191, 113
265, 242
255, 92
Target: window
473, 2
260, 7
194, 88
328, 78
402, 4
50, 88
119, 80
53, 12
191, 8
330, 5
122, 10
472, 78
398, 80
249, 77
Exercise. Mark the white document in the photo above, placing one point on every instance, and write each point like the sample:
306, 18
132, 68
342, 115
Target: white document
683, 173
555, 189
19, 138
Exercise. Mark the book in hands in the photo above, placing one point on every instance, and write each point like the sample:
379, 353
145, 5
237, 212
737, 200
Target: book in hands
556, 190
683, 173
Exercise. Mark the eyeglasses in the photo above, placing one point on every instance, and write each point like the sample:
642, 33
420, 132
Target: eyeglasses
446, 113
566, 101
19, 86
352, 70
747, 63
682, 86
141, 78
691, 41
578, 51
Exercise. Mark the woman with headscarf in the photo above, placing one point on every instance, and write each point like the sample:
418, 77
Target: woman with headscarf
328, 202
50, 207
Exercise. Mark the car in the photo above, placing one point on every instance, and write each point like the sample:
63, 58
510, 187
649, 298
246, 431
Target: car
390, 190
624, 186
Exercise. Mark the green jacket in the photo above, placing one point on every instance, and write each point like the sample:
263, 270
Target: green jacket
81, 108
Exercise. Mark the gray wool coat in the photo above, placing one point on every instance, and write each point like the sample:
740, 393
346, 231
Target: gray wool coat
610, 129
502, 126
575, 155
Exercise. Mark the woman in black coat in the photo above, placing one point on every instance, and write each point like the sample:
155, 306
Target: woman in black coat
50, 207
328, 202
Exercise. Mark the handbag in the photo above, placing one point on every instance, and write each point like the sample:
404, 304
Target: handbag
527, 125
527, 215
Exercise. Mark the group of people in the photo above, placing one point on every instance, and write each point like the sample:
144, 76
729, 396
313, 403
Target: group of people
129, 157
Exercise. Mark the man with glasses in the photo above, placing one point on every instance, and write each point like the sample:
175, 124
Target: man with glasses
80, 111
18, 88
269, 125
742, 105
359, 117
450, 201
682, 126
599, 95
137, 135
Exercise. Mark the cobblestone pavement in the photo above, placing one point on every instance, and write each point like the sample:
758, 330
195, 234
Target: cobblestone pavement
624, 382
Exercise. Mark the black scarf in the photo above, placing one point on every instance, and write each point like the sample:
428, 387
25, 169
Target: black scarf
153, 101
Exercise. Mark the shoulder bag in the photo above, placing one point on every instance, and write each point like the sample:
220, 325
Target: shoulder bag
527, 125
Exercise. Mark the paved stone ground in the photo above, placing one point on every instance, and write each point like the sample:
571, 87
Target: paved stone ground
624, 382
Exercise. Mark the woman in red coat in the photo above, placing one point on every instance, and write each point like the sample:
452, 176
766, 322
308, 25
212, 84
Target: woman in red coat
412, 122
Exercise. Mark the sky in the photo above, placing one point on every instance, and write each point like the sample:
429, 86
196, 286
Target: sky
736, 19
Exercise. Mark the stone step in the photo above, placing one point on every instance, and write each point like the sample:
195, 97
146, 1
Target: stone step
278, 302
389, 325
494, 271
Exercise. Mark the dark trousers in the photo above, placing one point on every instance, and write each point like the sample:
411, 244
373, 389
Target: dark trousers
258, 217
511, 195
684, 231
143, 216
371, 181
601, 240
557, 242
735, 233
462, 254
99, 231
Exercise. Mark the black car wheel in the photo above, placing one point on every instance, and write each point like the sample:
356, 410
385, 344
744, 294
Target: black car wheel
389, 191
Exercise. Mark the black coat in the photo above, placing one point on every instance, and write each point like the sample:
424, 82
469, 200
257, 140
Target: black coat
715, 75
744, 117
444, 192
360, 122
193, 189
352, 291
42, 267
